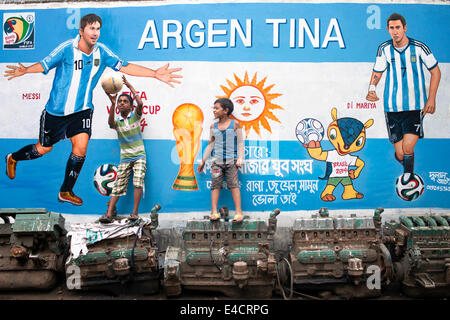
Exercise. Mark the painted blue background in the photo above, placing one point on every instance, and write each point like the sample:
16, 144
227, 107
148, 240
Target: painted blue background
37, 182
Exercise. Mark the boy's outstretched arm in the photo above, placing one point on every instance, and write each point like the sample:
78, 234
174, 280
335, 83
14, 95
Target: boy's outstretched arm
112, 110
134, 95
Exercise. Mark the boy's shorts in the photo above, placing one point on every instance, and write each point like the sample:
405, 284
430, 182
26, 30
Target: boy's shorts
123, 174
53, 128
400, 123
230, 171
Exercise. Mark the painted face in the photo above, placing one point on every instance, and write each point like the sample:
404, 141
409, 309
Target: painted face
248, 103
347, 135
91, 33
397, 31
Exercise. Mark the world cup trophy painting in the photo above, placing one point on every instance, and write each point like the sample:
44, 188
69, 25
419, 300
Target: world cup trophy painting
187, 120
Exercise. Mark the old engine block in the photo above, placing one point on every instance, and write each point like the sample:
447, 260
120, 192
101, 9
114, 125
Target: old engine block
420, 247
338, 254
31, 249
233, 258
129, 263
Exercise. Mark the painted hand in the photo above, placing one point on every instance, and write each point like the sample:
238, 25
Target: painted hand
372, 96
430, 107
15, 71
312, 144
166, 75
352, 175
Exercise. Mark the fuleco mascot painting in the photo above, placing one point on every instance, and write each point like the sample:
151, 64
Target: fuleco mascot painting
347, 135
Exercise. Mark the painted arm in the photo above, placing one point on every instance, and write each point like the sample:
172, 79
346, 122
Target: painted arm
430, 106
163, 73
208, 150
353, 174
374, 79
240, 145
18, 71
134, 95
315, 151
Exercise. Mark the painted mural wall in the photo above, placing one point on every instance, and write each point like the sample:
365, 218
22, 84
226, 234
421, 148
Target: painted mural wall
298, 75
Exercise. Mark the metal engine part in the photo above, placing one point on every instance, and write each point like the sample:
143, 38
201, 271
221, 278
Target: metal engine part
338, 254
420, 248
32, 249
236, 259
119, 265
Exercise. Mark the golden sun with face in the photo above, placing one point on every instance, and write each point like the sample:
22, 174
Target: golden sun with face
252, 103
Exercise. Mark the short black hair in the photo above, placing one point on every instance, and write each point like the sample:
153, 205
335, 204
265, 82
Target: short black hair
225, 103
90, 19
128, 97
396, 16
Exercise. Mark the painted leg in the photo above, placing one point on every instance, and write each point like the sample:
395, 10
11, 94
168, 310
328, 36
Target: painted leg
409, 143
408, 163
73, 169
327, 193
43, 150
29, 152
398, 154
351, 193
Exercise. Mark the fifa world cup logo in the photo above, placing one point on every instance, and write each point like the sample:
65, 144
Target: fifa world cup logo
187, 122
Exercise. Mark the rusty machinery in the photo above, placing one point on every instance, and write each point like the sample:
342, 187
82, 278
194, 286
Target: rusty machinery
420, 247
32, 247
236, 259
122, 263
338, 254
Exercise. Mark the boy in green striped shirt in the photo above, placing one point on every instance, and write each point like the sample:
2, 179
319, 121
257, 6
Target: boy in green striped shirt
132, 151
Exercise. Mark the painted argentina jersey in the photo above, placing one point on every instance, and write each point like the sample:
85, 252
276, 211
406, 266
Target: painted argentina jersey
405, 87
130, 138
76, 75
